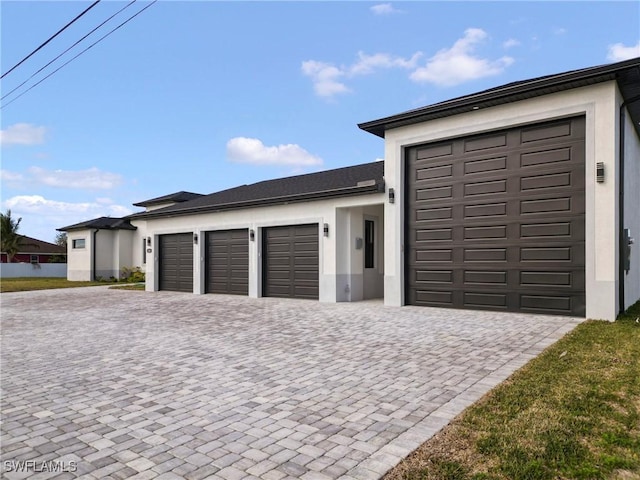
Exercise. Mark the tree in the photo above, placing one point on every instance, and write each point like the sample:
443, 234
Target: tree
61, 239
10, 239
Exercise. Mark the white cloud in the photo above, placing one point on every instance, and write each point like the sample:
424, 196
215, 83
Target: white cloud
22, 134
559, 31
367, 64
25, 205
324, 77
7, 176
619, 52
89, 179
455, 65
384, 9
512, 42
253, 151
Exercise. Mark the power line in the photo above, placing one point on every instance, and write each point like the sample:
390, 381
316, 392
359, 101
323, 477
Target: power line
76, 43
50, 38
83, 51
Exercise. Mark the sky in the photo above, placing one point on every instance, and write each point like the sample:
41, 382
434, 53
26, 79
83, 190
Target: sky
207, 95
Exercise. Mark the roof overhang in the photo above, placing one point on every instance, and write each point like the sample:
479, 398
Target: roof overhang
627, 75
362, 189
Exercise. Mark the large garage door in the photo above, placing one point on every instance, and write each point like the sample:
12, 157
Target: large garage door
496, 221
176, 262
290, 256
227, 262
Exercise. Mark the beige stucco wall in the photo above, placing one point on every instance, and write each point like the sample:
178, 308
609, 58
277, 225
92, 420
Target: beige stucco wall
331, 249
598, 103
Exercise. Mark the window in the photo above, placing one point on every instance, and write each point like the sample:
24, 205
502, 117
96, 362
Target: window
369, 246
34, 259
144, 251
78, 243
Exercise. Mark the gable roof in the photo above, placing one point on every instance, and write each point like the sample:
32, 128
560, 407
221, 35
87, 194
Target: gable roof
354, 180
34, 246
626, 73
176, 197
101, 223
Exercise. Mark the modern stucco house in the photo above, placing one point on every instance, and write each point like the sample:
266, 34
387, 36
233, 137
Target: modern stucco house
522, 198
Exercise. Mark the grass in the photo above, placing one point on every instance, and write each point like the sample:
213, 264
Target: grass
135, 286
23, 284
571, 413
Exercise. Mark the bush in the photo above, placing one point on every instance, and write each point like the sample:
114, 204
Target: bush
132, 275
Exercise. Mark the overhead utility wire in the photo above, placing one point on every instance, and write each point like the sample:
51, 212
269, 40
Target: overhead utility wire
76, 43
83, 51
50, 38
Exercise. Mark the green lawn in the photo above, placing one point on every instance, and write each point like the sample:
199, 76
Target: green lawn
134, 286
571, 413
23, 284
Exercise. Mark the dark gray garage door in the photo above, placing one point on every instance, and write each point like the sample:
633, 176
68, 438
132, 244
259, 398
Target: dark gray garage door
496, 221
227, 262
290, 261
176, 262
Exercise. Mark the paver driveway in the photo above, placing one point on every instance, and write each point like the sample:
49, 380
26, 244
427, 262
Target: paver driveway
121, 384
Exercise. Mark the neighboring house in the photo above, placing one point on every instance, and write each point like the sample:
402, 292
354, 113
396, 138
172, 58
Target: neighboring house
519, 198
35, 251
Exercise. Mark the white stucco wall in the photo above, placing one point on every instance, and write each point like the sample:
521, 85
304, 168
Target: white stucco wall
106, 250
598, 103
632, 210
79, 261
115, 249
320, 212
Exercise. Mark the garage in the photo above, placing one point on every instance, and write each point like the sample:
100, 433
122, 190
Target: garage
176, 262
497, 221
227, 262
290, 261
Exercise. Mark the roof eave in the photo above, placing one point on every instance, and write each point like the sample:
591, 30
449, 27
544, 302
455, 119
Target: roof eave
521, 91
377, 187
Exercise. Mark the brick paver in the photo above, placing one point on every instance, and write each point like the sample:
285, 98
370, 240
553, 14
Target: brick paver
119, 384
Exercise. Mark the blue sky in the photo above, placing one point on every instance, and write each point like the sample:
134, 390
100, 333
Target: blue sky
203, 96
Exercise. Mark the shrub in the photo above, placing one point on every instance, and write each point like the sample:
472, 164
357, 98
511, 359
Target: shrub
132, 275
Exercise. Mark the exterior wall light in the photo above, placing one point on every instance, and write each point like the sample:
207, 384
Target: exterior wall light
149, 241
392, 195
252, 235
600, 172
326, 229
195, 238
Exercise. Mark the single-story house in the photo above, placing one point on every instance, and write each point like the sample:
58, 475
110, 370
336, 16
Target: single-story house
524, 197
35, 251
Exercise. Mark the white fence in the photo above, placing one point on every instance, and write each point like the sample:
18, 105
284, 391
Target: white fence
12, 270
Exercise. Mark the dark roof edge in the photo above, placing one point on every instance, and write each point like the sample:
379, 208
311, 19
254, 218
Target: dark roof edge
88, 226
172, 197
338, 192
607, 72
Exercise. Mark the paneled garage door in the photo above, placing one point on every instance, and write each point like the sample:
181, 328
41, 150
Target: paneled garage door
176, 262
496, 221
290, 261
227, 262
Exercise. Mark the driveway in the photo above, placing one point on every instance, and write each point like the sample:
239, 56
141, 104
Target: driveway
102, 383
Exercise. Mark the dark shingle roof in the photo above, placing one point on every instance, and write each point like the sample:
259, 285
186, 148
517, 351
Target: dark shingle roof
35, 246
358, 179
626, 73
101, 223
177, 197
